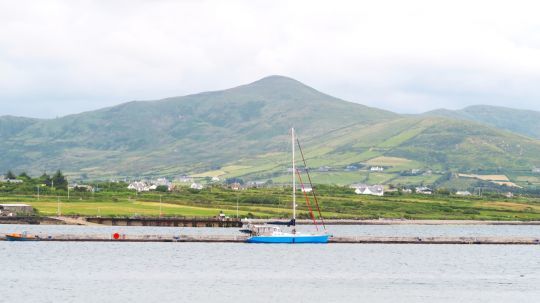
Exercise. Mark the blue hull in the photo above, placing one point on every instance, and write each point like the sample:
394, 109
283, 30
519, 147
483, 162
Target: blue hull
289, 239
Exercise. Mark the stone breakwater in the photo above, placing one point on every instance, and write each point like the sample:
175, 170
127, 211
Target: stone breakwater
242, 238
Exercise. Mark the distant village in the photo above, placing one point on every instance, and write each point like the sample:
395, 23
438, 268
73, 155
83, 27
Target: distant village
197, 183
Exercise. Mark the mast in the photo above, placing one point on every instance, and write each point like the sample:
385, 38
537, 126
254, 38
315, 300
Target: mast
293, 178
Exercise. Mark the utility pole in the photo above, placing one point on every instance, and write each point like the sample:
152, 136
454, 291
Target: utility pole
237, 216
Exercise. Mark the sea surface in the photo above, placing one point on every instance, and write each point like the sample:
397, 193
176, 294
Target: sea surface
232, 272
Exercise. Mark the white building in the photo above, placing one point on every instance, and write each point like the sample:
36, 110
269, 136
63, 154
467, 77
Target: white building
139, 186
364, 189
463, 193
306, 189
424, 190
377, 168
185, 179
197, 186
4, 180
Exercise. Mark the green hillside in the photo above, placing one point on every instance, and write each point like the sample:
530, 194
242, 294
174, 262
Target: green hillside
525, 122
182, 134
243, 132
10, 125
438, 145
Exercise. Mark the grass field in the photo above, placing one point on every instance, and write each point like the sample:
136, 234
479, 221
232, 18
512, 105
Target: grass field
276, 203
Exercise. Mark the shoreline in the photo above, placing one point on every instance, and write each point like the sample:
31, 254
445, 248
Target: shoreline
397, 222
126, 221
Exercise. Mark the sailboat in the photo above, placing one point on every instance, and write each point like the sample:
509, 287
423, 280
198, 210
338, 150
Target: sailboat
273, 234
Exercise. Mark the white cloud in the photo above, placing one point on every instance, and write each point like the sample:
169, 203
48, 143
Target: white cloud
60, 57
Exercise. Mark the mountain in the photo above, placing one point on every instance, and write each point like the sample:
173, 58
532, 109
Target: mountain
525, 122
10, 125
180, 134
243, 131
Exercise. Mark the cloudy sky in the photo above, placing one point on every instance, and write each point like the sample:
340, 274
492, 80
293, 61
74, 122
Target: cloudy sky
62, 57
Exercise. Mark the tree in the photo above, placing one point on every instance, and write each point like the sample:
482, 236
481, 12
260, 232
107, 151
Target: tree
162, 188
59, 181
10, 175
45, 179
234, 180
25, 176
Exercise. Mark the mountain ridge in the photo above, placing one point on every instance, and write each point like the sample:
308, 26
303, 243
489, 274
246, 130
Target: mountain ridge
521, 121
206, 131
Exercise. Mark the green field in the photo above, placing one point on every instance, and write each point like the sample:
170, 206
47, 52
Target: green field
336, 202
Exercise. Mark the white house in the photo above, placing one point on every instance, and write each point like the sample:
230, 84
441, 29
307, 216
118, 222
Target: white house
424, 190
215, 179
139, 186
307, 189
463, 193
377, 168
4, 180
364, 189
197, 186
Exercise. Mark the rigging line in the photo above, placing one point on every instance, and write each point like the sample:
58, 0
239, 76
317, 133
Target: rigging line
311, 184
307, 199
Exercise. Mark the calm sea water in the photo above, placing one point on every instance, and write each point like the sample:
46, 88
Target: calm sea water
206, 272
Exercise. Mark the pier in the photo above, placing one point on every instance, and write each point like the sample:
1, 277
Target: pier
125, 221
166, 221
332, 240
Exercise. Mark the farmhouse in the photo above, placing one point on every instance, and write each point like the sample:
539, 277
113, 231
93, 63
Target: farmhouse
306, 189
197, 186
424, 190
364, 189
139, 186
4, 180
